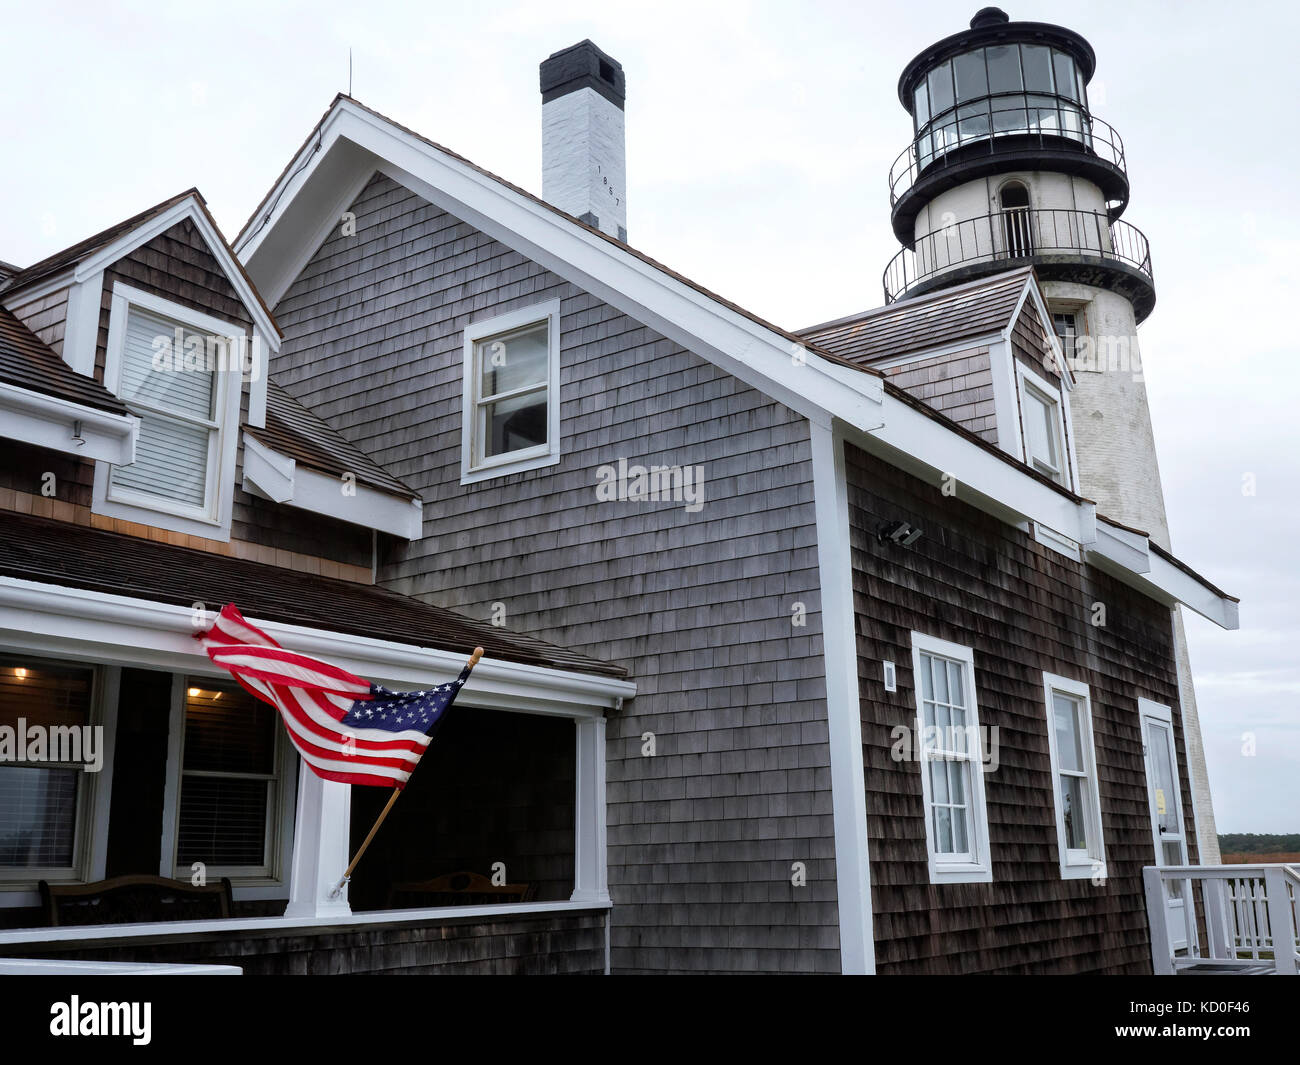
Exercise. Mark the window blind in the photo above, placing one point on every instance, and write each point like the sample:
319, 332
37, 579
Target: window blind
175, 406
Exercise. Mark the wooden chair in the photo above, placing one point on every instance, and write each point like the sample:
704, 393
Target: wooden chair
134, 899
457, 889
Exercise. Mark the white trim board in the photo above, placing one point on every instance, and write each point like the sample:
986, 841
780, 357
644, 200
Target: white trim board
843, 706
93, 626
279, 478
50, 422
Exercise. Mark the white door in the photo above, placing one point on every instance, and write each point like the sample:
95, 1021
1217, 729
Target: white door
1167, 829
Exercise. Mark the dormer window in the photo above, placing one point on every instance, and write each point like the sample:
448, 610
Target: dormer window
179, 372
1041, 421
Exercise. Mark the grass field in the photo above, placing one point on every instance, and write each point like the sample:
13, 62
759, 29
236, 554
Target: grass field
1240, 858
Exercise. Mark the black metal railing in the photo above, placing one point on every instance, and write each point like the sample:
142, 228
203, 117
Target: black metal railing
979, 125
1017, 234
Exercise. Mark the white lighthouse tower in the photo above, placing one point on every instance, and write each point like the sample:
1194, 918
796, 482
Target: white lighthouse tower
1009, 166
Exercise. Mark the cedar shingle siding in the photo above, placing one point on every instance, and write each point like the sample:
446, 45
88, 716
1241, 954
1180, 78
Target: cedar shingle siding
702, 836
976, 581
959, 385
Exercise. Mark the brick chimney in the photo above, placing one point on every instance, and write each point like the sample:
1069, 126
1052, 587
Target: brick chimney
583, 162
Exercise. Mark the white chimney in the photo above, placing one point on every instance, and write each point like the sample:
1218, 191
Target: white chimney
583, 163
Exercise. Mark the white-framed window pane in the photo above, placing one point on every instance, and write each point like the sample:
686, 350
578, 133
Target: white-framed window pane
229, 780
1069, 746
170, 385
943, 830
1041, 434
38, 816
514, 424
1074, 812
514, 361
222, 822
171, 460
39, 803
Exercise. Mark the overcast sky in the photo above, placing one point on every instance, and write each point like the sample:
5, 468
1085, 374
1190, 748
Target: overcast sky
759, 139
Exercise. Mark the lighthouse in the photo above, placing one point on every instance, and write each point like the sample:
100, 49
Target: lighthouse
1010, 165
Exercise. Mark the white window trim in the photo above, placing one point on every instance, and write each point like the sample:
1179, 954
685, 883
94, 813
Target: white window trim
979, 870
1076, 864
533, 458
268, 881
1026, 379
213, 521
18, 884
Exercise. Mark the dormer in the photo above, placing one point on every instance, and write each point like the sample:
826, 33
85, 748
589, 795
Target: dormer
984, 355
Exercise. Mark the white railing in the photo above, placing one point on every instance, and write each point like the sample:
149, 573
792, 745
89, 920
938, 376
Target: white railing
1251, 917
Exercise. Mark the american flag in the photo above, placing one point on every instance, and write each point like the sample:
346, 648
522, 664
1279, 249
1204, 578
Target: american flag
346, 728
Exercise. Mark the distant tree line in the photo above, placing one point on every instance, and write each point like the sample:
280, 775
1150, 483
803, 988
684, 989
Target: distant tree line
1257, 843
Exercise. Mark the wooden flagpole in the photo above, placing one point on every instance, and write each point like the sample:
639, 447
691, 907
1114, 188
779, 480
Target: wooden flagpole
347, 873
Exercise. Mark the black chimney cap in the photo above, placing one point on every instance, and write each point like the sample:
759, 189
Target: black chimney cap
583, 66
989, 16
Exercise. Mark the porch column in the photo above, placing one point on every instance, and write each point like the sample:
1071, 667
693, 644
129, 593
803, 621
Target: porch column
320, 847
590, 872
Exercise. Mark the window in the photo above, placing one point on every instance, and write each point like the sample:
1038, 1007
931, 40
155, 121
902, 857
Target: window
950, 748
1074, 778
1066, 328
512, 411
234, 803
1040, 416
45, 791
179, 372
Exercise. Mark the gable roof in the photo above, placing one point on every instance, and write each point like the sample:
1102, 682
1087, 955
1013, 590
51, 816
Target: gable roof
964, 312
73, 254
73, 556
293, 430
28, 362
117, 240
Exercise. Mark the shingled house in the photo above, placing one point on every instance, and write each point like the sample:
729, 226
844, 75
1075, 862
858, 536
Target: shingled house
742, 590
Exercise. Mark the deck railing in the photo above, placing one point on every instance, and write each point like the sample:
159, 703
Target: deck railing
988, 123
1017, 234
1251, 918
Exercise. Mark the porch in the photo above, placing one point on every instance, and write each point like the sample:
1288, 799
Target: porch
493, 860
1250, 916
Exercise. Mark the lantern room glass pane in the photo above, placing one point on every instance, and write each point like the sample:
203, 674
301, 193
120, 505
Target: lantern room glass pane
972, 78
921, 108
940, 83
1004, 68
1063, 66
1036, 60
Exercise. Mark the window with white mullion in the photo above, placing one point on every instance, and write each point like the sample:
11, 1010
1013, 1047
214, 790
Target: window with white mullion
1074, 778
176, 399
956, 822
511, 417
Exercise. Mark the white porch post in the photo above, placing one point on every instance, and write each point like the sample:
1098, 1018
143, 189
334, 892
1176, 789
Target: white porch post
590, 871
320, 847
1162, 953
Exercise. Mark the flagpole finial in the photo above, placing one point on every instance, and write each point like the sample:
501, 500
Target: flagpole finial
473, 659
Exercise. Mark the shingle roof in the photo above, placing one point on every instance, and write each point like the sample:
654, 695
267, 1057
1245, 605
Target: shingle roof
959, 313
28, 362
293, 430
73, 556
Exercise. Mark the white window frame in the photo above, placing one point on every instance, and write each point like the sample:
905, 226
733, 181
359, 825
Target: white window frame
472, 467
18, 884
211, 521
977, 868
1076, 864
266, 881
1027, 381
